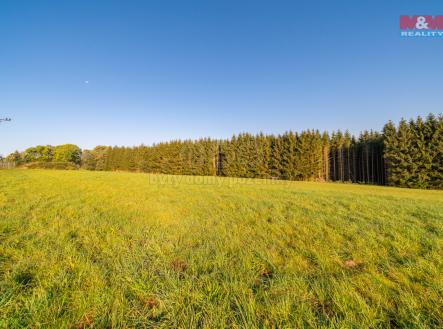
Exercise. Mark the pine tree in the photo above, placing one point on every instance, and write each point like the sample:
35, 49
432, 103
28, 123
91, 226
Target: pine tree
275, 157
325, 156
390, 150
288, 169
421, 158
434, 132
347, 155
401, 175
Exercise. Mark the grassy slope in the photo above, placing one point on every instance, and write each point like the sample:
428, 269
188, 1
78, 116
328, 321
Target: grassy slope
80, 249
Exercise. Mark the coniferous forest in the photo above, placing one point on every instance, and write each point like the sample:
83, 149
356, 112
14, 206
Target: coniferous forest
409, 154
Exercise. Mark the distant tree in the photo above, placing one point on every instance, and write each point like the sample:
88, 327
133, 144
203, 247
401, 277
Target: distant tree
436, 175
325, 156
420, 153
15, 157
288, 157
39, 153
391, 149
101, 154
67, 153
88, 160
399, 156
275, 156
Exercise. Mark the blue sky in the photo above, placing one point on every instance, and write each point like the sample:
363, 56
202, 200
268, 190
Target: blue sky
160, 70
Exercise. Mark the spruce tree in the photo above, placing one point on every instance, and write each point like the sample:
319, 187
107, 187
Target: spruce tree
275, 157
421, 161
436, 173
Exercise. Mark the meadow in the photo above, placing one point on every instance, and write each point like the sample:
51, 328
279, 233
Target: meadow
83, 249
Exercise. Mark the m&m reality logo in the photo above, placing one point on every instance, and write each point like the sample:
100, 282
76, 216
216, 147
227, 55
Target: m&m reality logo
421, 26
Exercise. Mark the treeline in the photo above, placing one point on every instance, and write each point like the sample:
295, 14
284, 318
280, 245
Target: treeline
407, 155
414, 152
309, 155
293, 156
357, 160
176, 157
66, 156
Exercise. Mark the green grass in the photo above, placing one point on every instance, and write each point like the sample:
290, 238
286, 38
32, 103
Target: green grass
98, 249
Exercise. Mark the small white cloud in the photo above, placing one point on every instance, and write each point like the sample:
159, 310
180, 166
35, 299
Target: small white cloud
86, 81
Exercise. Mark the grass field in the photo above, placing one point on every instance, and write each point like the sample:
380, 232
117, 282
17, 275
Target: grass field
98, 249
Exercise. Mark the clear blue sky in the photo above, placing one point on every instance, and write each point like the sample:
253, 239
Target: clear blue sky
159, 70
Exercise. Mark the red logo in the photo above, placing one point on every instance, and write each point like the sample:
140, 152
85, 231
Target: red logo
421, 22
